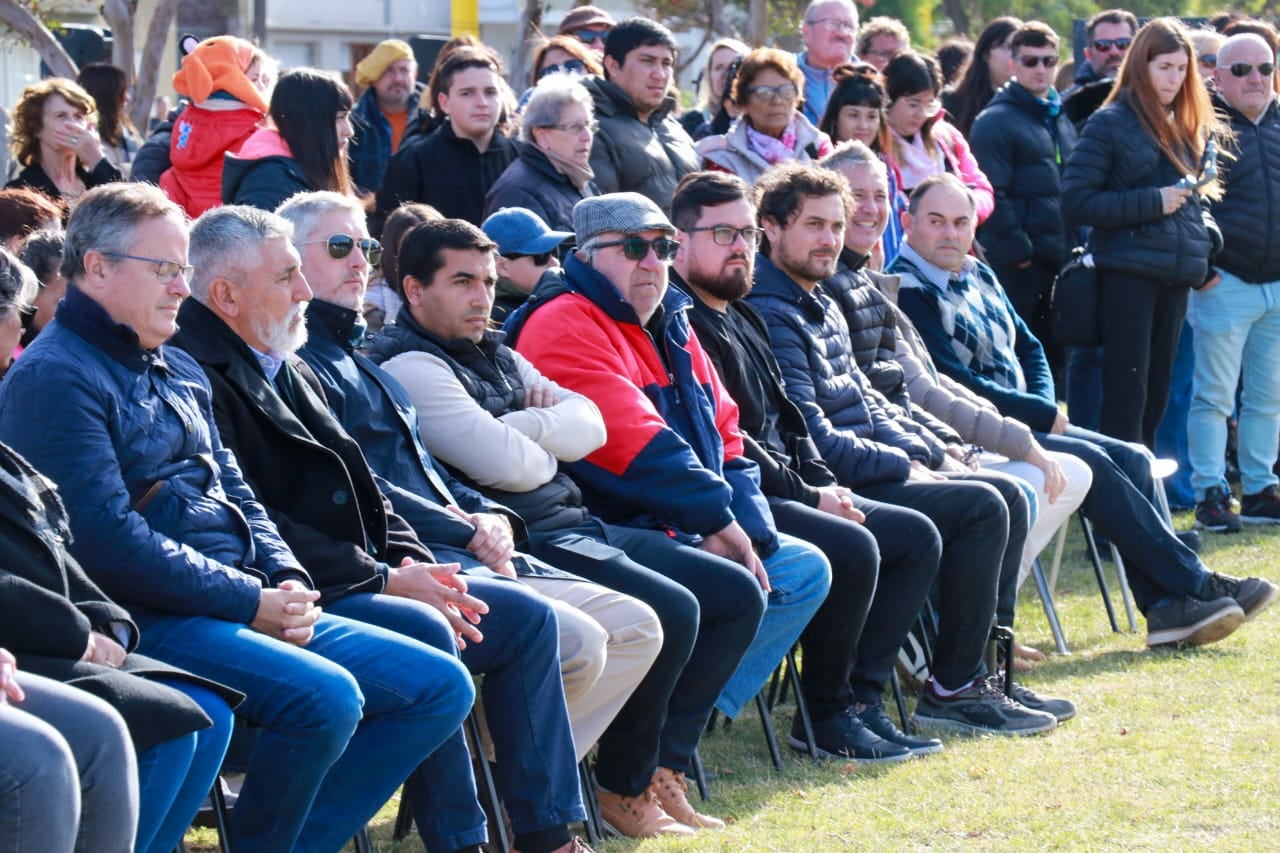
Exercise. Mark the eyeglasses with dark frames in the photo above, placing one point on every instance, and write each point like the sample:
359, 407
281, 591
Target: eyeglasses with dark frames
725, 235
164, 270
1032, 61
834, 25
637, 248
1243, 69
1105, 45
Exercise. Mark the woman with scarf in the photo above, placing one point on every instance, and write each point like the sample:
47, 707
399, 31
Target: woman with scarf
771, 129
552, 171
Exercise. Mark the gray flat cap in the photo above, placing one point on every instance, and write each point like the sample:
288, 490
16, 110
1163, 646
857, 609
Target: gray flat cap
626, 213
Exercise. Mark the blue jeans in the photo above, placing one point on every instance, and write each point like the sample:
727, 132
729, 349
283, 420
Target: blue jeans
344, 720
800, 577
174, 777
1237, 329
1171, 435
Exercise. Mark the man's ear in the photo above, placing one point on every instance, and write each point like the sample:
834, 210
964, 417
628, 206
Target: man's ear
95, 268
611, 67
908, 222
501, 265
772, 229
225, 298
412, 287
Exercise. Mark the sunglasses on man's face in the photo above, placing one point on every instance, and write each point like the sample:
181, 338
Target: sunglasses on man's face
589, 36
1106, 44
637, 248
340, 245
1033, 61
1244, 69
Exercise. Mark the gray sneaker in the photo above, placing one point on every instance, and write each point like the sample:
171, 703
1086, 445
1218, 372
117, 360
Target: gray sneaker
1061, 709
979, 709
1192, 622
1254, 595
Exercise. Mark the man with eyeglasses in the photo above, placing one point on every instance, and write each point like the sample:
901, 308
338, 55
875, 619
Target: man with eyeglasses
673, 463
828, 31
527, 252
880, 39
639, 145
588, 24
1236, 316
1022, 140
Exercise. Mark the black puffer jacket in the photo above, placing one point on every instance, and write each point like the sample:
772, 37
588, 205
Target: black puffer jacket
1021, 149
532, 182
629, 155
1247, 212
445, 171
1112, 182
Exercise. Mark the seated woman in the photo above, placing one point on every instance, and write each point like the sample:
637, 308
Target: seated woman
711, 85
771, 129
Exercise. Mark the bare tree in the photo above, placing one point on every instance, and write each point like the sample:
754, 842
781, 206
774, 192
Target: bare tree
529, 28
31, 28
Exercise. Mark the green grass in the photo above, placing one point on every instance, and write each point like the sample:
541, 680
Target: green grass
1170, 751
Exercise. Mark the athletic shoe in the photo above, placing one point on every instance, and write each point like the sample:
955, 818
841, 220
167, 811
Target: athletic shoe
878, 722
979, 709
1262, 508
1216, 512
1192, 622
1253, 595
845, 736
1061, 709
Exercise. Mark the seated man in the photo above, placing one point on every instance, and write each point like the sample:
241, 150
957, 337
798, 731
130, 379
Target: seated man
673, 460
851, 643
803, 210
975, 337
163, 521
242, 325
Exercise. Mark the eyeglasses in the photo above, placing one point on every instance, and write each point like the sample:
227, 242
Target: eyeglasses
340, 245
569, 66
577, 127
541, 259
1209, 59
834, 25
769, 94
1243, 69
1106, 44
725, 235
1033, 61
930, 107
165, 271
588, 36
637, 248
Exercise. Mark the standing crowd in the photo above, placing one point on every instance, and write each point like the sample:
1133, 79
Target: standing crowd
324, 417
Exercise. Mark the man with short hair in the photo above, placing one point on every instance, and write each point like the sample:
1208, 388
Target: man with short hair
1022, 140
244, 324
380, 118
1236, 316
163, 521
828, 30
803, 211
1108, 35
880, 39
453, 167
527, 251
974, 336
673, 463
640, 146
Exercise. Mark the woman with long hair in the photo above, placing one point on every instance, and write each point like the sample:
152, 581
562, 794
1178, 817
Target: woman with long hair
109, 87
1152, 237
924, 142
988, 70
304, 150
711, 83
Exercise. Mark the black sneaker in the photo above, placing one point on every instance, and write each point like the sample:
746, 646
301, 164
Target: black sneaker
1253, 595
979, 709
1061, 709
1262, 508
1192, 622
844, 736
1216, 512
877, 721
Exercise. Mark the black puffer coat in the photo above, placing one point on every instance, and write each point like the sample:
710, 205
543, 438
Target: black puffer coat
533, 183
1112, 182
446, 171
1247, 212
1021, 149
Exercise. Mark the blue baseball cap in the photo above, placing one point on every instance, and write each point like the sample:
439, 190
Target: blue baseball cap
519, 231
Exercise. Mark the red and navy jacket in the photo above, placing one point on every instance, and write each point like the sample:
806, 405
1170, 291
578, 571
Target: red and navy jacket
674, 456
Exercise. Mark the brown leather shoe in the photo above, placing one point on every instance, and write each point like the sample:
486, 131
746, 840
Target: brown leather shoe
576, 845
673, 794
638, 817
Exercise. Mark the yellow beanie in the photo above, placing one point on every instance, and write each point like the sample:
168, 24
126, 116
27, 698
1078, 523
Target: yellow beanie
369, 69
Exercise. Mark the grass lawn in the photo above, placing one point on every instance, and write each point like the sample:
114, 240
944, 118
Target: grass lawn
1169, 751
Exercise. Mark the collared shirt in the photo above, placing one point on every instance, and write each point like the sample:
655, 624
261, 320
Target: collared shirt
270, 362
818, 86
936, 275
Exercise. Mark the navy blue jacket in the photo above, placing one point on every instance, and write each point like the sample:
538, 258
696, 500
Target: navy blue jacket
533, 183
370, 148
1250, 207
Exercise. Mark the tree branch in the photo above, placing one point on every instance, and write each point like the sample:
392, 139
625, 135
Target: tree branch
38, 36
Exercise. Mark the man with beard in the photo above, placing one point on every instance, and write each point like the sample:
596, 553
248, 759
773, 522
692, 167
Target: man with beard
382, 115
803, 211
851, 642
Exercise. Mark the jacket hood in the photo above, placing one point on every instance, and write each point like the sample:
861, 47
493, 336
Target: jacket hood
265, 142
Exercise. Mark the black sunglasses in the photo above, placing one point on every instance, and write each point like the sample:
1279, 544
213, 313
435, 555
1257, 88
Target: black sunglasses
637, 248
1242, 69
541, 259
1107, 44
1033, 61
588, 36
340, 245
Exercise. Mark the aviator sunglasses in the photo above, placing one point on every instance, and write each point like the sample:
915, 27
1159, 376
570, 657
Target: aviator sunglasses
1243, 69
637, 248
340, 245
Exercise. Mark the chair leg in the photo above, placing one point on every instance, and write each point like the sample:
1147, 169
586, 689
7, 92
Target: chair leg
489, 790
593, 825
1091, 546
770, 736
899, 700
404, 820
220, 815
700, 776
1002, 639
1050, 610
363, 842
802, 705
1126, 594
712, 720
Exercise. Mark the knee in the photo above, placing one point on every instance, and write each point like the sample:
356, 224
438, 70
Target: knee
584, 652
635, 627
326, 704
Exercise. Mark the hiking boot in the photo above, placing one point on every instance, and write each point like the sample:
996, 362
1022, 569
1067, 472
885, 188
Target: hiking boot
979, 709
1262, 508
844, 736
1216, 512
1192, 622
673, 795
638, 817
1061, 709
879, 723
1253, 595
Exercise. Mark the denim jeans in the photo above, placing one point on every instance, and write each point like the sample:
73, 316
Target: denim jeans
344, 720
800, 577
1237, 329
1172, 440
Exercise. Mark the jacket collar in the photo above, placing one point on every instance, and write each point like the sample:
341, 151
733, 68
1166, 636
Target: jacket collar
591, 284
460, 349
615, 101
1236, 116
83, 315
336, 324
771, 281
